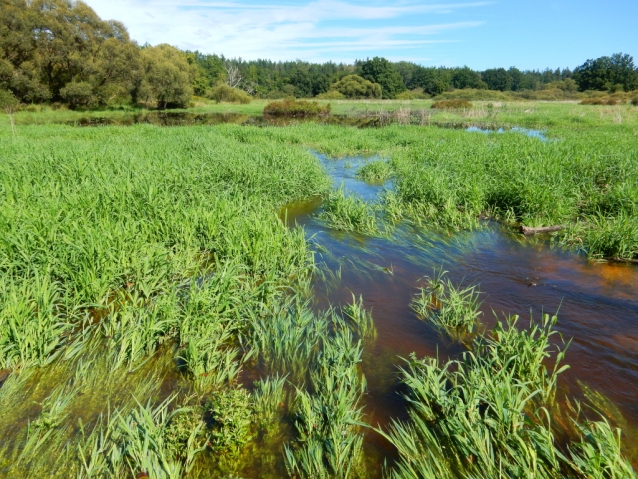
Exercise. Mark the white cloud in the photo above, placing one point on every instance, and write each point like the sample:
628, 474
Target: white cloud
312, 30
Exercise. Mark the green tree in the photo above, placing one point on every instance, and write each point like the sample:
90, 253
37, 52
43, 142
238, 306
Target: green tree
47, 44
605, 72
381, 71
497, 79
467, 78
354, 86
166, 78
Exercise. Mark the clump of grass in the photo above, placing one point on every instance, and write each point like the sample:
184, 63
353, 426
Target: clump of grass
375, 172
349, 213
268, 401
451, 104
597, 455
360, 319
328, 421
451, 308
296, 108
480, 416
610, 237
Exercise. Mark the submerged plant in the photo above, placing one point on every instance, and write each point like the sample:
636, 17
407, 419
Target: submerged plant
360, 319
597, 455
231, 411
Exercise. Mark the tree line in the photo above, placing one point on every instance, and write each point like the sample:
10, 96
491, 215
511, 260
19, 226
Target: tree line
60, 51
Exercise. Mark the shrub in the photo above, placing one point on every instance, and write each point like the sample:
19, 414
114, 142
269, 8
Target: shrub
227, 94
331, 95
354, 86
451, 104
78, 94
472, 94
291, 107
419, 94
599, 101
405, 95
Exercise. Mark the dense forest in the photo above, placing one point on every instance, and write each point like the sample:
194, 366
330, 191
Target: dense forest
60, 51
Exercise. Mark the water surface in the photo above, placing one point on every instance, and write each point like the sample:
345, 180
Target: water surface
596, 303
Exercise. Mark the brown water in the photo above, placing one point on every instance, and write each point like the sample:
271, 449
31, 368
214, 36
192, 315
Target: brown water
597, 303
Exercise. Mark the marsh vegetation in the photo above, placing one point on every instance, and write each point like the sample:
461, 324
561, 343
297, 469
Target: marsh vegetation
158, 319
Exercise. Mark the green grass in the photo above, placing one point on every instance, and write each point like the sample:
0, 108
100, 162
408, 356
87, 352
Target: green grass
142, 269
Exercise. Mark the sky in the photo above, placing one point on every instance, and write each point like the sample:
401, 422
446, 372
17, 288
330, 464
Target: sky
527, 34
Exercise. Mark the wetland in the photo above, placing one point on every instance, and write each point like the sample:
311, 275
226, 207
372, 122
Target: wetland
235, 298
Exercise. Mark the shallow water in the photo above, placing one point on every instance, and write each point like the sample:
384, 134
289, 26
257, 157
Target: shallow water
517, 129
597, 303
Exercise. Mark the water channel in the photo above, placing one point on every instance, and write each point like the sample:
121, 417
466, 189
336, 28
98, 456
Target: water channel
596, 302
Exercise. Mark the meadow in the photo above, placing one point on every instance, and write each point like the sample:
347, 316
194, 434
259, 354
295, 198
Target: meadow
157, 318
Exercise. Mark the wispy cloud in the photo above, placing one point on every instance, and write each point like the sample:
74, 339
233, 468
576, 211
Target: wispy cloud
310, 30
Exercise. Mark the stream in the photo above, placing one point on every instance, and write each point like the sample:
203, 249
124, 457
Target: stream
596, 302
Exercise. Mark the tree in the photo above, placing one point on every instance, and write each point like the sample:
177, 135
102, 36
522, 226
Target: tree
497, 79
381, 71
167, 76
605, 73
354, 86
47, 44
467, 78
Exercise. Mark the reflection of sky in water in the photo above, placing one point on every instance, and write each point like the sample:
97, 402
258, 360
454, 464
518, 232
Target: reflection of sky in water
597, 303
524, 131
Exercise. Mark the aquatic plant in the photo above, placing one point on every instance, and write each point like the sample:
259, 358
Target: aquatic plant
451, 308
484, 415
231, 411
375, 171
348, 212
328, 420
360, 319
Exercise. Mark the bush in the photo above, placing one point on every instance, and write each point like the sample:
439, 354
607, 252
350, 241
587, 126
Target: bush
600, 101
291, 107
78, 94
451, 104
405, 95
634, 101
354, 86
419, 94
227, 94
472, 94
331, 95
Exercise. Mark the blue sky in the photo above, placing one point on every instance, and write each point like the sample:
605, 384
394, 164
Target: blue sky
481, 34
